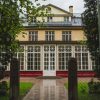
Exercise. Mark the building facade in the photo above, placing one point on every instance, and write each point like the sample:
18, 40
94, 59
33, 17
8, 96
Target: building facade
46, 50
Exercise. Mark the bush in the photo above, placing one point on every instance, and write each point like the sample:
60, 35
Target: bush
94, 87
2, 70
3, 88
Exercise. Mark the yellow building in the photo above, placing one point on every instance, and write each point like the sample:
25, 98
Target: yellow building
48, 49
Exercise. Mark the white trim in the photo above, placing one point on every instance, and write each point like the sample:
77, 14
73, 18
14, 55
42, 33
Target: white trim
56, 52
57, 64
73, 51
89, 62
50, 70
26, 57
41, 57
55, 57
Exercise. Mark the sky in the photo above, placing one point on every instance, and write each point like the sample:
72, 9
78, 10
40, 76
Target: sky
78, 5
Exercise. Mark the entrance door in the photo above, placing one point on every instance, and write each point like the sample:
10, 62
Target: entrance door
49, 61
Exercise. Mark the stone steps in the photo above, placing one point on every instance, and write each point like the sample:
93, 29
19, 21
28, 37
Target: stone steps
49, 77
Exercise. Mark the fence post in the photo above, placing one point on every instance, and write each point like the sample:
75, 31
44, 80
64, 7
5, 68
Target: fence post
72, 80
14, 79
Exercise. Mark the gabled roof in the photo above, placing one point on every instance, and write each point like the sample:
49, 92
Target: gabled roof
58, 8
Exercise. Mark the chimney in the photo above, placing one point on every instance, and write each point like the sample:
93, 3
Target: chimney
71, 9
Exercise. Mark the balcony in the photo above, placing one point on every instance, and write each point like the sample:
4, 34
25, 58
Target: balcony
75, 21
52, 24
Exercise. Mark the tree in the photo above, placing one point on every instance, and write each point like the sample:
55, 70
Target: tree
90, 22
13, 13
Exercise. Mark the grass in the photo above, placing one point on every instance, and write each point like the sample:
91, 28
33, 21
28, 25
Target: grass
24, 88
83, 92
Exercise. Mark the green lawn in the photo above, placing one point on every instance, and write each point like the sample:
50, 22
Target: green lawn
24, 88
83, 92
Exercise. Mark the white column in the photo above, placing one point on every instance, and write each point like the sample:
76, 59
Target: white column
8, 67
89, 62
56, 58
73, 51
25, 58
42, 57
57, 64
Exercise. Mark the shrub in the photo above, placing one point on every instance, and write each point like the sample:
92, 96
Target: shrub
2, 70
94, 87
3, 88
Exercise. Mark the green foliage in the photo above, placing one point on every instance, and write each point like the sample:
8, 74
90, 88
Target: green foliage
90, 22
13, 13
82, 88
24, 88
3, 88
94, 87
2, 69
83, 92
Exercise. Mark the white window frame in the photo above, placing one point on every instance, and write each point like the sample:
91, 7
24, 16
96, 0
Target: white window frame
67, 50
82, 50
21, 58
66, 18
66, 36
34, 52
49, 19
49, 35
33, 35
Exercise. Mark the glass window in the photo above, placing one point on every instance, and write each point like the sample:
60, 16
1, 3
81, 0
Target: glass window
82, 57
66, 36
66, 18
48, 10
93, 63
21, 57
79, 60
49, 19
33, 58
2, 59
30, 61
85, 60
49, 35
33, 35
64, 54
33, 20
49, 57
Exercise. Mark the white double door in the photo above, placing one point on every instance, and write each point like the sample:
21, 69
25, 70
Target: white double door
49, 60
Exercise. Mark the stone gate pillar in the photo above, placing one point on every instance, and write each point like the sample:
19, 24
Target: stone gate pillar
14, 79
72, 80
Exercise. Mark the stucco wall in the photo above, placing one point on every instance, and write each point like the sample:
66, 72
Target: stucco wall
77, 35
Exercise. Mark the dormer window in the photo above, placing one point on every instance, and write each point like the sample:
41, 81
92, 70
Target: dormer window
49, 10
49, 19
66, 18
33, 19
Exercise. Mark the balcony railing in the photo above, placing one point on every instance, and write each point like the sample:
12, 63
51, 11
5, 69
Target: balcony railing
74, 22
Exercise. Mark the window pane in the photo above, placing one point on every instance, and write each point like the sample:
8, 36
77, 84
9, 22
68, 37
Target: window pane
33, 58
82, 57
33, 36
49, 36
64, 54
66, 36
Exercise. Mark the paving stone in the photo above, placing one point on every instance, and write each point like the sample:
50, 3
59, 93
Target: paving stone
47, 89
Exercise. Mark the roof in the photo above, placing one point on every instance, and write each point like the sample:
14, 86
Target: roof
58, 8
